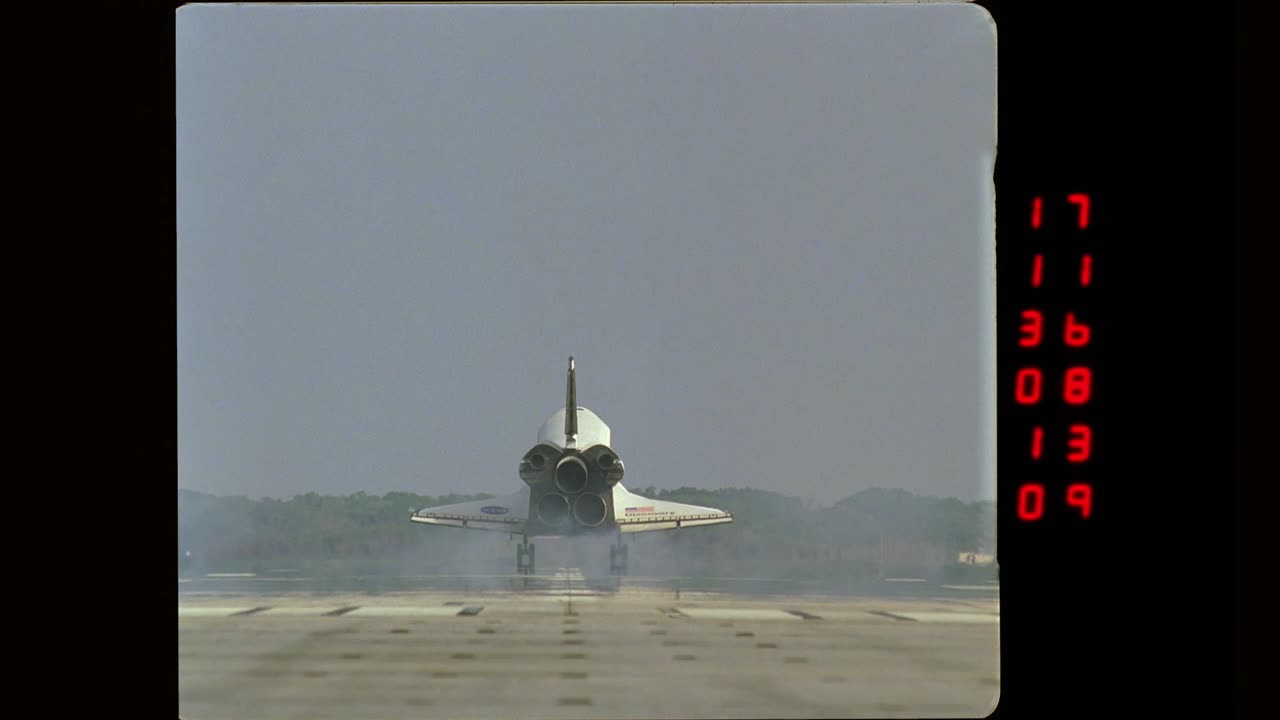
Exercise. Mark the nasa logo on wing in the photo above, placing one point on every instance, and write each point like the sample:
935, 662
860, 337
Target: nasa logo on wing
494, 510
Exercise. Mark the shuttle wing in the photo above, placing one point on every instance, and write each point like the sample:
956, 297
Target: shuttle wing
635, 513
508, 513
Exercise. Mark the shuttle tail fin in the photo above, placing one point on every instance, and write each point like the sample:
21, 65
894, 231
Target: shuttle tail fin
571, 406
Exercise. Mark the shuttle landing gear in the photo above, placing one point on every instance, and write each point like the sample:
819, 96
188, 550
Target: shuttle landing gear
524, 557
618, 558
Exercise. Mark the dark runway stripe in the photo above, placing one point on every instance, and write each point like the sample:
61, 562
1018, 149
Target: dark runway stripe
803, 614
891, 615
251, 611
342, 611
473, 610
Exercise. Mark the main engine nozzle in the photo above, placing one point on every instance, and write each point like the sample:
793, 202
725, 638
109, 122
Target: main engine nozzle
590, 510
553, 509
572, 475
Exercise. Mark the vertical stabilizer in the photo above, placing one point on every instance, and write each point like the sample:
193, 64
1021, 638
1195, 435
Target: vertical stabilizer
571, 407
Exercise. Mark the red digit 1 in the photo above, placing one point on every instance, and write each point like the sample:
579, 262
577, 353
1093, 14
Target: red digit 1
1027, 387
1086, 270
1080, 443
1075, 334
1031, 501
1032, 324
1077, 388
1037, 270
1037, 442
1080, 495
1035, 213
1082, 200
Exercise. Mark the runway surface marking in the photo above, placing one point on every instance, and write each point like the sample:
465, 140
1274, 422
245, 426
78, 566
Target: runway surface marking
297, 610
736, 614
390, 611
211, 611
358, 611
253, 611
390, 655
804, 615
939, 617
692, 613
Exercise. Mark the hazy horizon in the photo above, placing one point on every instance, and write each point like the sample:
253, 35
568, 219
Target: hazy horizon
301, 493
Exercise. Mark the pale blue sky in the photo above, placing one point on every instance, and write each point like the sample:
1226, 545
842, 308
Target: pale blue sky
765, 232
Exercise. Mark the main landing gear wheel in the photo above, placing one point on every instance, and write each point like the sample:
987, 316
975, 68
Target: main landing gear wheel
525, 557
618, 558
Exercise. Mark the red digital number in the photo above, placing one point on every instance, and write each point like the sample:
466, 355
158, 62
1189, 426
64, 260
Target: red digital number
1031, 501
1075, 334
1078, 386
1037, 442
1037, 270
1027, 389
1080, 495
1032, 325
1081, 200
1080, 443
1036, 206
1086, 270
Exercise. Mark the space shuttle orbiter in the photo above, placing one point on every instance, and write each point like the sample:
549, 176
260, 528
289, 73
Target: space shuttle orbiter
573, 486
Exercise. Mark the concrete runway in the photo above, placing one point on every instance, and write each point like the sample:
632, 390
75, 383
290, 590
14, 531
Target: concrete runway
552, 652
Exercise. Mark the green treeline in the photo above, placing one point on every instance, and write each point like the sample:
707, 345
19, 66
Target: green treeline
873, 533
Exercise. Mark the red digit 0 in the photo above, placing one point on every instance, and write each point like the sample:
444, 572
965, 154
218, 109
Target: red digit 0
1031, 501
1027, 387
